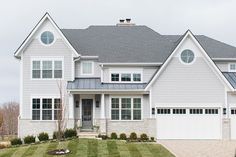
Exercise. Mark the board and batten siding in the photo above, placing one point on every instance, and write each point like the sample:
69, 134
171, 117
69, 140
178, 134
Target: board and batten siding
42, 87
196, 83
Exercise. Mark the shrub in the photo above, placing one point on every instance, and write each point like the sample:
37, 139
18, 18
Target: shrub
29, 139
123, 136
16, 141
70, 133
43, 136
143, 137
104, 137
113, 135
152, 138
56, 133
133, 136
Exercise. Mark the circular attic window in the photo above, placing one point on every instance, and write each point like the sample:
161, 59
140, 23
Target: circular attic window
47, 37
187, 56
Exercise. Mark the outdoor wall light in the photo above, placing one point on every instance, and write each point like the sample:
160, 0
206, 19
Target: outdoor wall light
77, 104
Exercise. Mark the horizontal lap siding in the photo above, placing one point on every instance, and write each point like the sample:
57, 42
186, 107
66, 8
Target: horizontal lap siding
43, 87
195, 83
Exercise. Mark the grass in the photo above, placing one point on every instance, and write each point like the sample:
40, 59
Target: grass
90, 148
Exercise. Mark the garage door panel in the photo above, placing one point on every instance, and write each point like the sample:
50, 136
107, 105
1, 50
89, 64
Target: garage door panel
188, 126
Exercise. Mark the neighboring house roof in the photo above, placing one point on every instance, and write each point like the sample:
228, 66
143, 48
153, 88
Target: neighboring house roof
95, 83
131, 43
231, 77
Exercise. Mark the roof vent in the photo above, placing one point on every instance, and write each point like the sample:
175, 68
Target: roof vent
126, 22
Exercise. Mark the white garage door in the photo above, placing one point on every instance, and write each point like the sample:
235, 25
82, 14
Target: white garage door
233, 122
188, 123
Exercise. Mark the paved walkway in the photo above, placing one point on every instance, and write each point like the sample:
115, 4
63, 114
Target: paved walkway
200, 148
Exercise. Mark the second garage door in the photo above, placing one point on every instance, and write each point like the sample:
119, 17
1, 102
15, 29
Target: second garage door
188, 123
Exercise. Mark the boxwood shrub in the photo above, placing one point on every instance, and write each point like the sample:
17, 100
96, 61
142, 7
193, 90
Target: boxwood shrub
123, 136
29, 139
133, 136
16, 141
43, 136
113, 135
70, 133
143, 137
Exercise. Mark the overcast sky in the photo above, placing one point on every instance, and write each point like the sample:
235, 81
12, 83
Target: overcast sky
214, 18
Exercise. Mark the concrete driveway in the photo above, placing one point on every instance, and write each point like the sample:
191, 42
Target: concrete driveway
200, 148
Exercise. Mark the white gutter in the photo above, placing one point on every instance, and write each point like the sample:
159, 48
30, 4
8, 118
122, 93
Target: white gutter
147, 64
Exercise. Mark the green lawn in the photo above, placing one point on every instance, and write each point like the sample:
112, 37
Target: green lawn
90, 148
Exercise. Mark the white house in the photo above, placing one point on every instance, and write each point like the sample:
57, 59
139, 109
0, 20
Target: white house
127, 78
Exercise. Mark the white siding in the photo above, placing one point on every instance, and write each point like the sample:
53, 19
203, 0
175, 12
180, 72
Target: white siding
223, 66
196, 83
43, 87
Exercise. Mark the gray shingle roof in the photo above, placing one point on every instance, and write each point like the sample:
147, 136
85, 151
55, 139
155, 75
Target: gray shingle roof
231, 77
95, 83
135, 44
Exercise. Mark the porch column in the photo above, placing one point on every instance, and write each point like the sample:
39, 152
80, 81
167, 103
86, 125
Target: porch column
102, 107
102, 116
71, 106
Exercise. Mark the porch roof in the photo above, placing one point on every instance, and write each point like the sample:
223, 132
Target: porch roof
95, 83
231, 77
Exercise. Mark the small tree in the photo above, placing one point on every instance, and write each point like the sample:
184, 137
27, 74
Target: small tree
1, 123
60, 109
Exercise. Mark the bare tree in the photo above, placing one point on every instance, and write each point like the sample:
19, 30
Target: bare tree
10, 112
61, 111
1, 124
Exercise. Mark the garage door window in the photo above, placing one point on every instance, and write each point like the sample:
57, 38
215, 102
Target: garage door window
163, 111
233, 111
211, 111
179, 111
196, 111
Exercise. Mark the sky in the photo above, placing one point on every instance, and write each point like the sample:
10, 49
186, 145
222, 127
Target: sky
213, 18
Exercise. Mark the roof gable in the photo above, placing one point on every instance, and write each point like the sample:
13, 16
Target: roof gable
204, 54
19, 51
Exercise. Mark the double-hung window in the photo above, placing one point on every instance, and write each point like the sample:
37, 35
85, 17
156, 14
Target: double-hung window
136, 77
115, 77
57, 69
115, 112
47, 69
126, 108
137, 108
232, 67
87, 67
126, 77
36, 109
47, 109
36, 69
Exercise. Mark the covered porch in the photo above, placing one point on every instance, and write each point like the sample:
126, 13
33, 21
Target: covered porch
89, 102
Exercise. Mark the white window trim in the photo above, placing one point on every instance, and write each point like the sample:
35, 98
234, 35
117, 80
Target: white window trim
41, 107
120, 97
81, 68
41, 59
180, 59
230, 69
54, 39
126, 72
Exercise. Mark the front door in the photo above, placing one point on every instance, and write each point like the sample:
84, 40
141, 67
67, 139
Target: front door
87, 110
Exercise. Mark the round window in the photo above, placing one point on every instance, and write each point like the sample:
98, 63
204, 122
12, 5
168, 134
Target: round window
187, 56
47, 37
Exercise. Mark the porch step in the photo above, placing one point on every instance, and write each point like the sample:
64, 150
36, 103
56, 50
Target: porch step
88, 135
